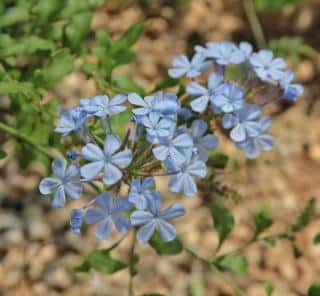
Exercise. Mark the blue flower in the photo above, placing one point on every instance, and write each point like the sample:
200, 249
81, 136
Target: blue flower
71, 120
183, 180
173, 147
156, 219
110, 160
67, 182
139, 191
76, 219
101, 105
225, 53
253, 145
204, 95
202, 142
266, 67
182, 66
244, 123
167, 104
246, 49
145, 105
291, 91
110, 212
230, 98
157, 127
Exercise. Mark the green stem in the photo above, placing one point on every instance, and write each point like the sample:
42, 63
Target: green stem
238, 291
254, 23
14, 133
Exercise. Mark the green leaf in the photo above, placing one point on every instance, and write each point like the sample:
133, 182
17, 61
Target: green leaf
218, 160
131, 36
3, 154
223, 220
316, 239
61, 65
120, 123
165, 248
262, 221
101, 260
127, 84
15, 87
314, 290
236, 263
18, 13
166, 83
78, 29
305, 216
265, 5
268, 287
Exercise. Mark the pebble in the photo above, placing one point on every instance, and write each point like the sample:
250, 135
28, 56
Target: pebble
58, 277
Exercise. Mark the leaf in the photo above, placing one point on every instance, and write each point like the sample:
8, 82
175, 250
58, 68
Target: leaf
15, 87
100, 260
314, 290
133, 33
268, 287
218, 160
236, 263
262, 221
60, 66
265, 5
15, 14
305, 216
127, 84
3, 154
316, 239
120, 123
78, 29
166, 83
223, 220
165, 248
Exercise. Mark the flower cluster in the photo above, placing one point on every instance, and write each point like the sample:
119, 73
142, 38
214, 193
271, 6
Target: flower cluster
166, 137
240, 84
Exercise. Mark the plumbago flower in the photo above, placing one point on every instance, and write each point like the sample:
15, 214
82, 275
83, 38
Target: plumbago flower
66, 183
171, 137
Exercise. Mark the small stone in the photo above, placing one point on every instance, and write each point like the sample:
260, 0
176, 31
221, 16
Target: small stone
305, 71
58, 278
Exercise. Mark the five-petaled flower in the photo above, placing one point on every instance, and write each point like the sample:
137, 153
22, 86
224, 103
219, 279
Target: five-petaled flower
155, 219
110, 159
66, 183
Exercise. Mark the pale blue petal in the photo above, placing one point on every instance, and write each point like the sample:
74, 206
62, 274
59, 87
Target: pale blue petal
104, 229
177, 72
105, 201
135, 99
198, 127
73, 171
182, 141
117, 100
238, 133
140, 217
195, 89
92, 152
160, 152
92, 169
111, 174
145, 232
122, 159
167, 231
199, 104
59, 166
189, 186
174, 211
59, 199
197, 168
111, 144
266, 142
73, 189
94, 215
49, 185
209, 141
122, 224
176, 183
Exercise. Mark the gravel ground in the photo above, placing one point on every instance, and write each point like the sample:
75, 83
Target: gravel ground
37, 251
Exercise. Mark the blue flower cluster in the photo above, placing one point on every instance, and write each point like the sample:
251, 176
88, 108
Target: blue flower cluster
168, 139
238, 80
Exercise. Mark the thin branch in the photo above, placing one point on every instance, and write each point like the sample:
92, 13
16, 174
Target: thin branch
254, 22
15, 133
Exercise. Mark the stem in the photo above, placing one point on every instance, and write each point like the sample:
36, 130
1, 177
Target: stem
131, 267
254, 23
14, 133
238, 291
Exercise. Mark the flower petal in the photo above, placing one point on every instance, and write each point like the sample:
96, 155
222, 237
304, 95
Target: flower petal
174, 211
111, 174
59, 199
122, 224
167, 231
94, 215
49, 185
59, 166
92, 169
92, 152
73, 189
140, 217
123, 158
145, 232
111, 144
104, 229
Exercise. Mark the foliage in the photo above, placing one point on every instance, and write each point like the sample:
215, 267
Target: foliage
267, 5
